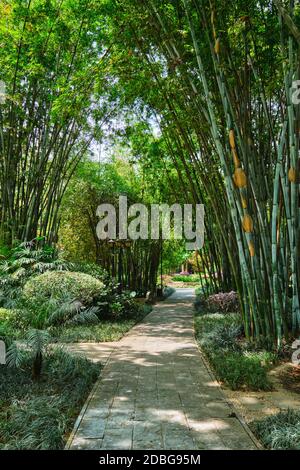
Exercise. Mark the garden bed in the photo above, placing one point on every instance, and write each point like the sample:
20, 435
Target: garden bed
104, 331
234, 363
263, 387
40, 414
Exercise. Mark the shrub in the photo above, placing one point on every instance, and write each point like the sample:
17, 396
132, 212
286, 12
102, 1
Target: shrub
93, 270
186, 278
281, 431
23, 262
241, 371
10, 290
122, 305
225, 337
56, 297
32, 258
37, 343
10, 322
6, 315
59, 285
223, 302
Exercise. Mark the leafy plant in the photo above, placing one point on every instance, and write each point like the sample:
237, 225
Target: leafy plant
37, 343
223, 302
220, 336
225, 337
56, 285
240, 371
93, 270
11, 323
186, 278
26, 260
39, 415
105, 330
280, 431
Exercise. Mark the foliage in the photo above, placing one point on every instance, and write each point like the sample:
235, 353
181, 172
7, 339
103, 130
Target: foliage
223, 302
219, 78
56, 285
241, 372
174, 251
105, 330
225, 336
37, 342
7, 318
91, 185
203, 93
93, 270
182, 278
54, 70
220, 337
55, 297
48, 293
36, 284
39, 415
280, 431
22, 262
134, 267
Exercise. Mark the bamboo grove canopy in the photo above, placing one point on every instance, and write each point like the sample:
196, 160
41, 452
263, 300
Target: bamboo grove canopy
220, 81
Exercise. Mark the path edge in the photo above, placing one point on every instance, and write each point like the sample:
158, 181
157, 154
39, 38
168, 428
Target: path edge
228, 401
95, 386
86, 404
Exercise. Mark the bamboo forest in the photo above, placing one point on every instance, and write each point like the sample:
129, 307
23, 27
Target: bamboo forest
149, 228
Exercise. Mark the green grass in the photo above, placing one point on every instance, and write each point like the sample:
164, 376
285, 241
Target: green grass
279, 432
41, 414
102, 332
106, 330
220, 338
183, 278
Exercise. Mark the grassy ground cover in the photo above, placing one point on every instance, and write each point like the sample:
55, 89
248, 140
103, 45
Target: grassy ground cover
106, 330
279, 432
237, 363
39, 414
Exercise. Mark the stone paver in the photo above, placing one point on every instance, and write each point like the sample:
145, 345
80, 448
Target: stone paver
95, 352
155, 391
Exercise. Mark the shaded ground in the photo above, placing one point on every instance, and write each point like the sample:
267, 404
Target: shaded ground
290, 378
285, 379
155, 392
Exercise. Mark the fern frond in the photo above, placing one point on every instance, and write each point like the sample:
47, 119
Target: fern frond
66, 311
14, 356
38, 340
87, 317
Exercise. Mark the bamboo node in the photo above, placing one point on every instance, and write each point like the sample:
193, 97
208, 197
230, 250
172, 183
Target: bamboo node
244, 203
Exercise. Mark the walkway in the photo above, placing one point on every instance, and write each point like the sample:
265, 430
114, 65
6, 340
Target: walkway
155, 392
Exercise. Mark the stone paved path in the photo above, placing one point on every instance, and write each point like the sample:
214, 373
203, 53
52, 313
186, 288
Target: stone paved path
156, 393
